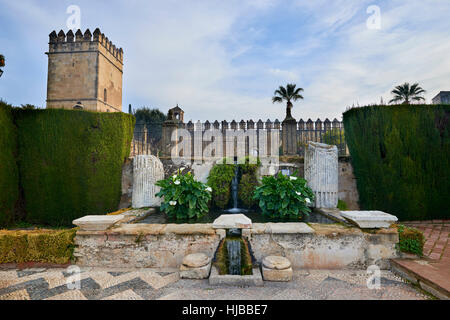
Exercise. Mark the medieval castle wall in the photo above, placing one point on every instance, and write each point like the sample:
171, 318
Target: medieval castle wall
84, 68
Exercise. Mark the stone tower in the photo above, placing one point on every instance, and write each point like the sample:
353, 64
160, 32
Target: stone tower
84, 69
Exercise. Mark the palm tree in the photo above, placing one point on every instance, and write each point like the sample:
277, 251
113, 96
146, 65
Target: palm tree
407, 93
288, 94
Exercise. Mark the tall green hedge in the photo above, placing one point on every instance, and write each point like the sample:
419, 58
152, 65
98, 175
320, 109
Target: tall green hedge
9, 176
401, 159
70, 162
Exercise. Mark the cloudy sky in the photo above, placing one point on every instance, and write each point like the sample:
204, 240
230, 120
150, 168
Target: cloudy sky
224, 59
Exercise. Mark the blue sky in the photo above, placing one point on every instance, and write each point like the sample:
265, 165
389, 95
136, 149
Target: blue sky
224, 59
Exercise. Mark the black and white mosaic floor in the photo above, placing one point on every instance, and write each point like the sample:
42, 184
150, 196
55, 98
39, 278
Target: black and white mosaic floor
144, 284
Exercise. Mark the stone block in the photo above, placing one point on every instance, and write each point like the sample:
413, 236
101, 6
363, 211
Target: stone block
285, 228
232, 221
195, 273
276, 262
97, 223
222, 233
277, 275
254, 279
370, 219
188, 229
147, 170
322, 173
276, 268
196, 260
259, 228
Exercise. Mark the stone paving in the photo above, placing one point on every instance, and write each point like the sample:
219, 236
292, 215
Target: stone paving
145, 284
432, 272
437, 234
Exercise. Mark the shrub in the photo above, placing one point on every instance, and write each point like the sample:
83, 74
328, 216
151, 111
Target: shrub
246, 190
334, 137
342, 205
248, 182
282, 196
219, 180
184, 197
400, 157
411, 240
221, 176
249, 168
71, 162
49, 246
9, 174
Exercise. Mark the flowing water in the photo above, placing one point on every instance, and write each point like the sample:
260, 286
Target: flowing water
234, 257
234, 191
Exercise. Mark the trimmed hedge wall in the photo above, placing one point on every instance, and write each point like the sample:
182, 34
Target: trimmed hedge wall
401, 159
70, 162
9, 176
50, 246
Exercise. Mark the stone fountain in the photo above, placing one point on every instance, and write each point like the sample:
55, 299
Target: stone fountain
234, 191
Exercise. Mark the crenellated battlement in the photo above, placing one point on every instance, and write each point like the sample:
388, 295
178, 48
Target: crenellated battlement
70, 42
84, 69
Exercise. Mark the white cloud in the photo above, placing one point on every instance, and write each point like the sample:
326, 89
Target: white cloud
221, 60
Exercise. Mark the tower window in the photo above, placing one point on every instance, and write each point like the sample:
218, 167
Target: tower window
105, 95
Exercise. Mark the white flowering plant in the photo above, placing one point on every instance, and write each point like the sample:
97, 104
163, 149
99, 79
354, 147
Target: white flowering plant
184, 197
283, 196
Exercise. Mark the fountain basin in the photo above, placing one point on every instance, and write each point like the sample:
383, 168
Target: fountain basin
163, 246
255, 279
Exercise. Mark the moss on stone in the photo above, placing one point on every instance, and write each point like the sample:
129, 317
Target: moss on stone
221, 261
121, 211
292, 159
47, 246
411, 240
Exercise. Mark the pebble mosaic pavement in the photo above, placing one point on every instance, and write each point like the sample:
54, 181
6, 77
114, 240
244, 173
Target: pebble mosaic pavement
145, 284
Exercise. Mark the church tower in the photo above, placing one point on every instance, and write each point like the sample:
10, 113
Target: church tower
84, 71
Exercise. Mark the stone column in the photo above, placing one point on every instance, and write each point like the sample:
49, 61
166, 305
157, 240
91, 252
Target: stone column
321, 172
289, 134
147, 170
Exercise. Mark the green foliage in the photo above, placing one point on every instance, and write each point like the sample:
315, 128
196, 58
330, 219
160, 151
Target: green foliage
407, 93
28, 106
248, 182
219, 180
334, 137
246, 189
289, 93
410, 240
184, 197
282, 196
49, 246
71, 162
153, 120
221, 176
9, 173
222, 259
342, 205
249, 165
400, 157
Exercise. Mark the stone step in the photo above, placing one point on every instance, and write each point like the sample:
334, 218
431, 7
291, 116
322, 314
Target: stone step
433, 278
